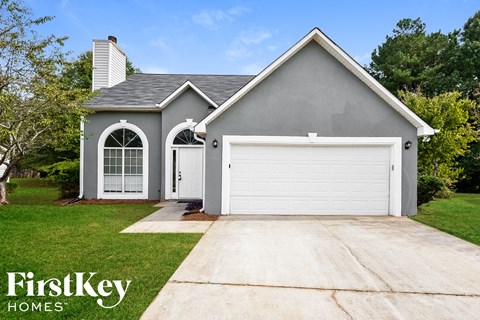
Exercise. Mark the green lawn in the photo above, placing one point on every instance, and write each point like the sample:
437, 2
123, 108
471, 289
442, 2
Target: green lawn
33, 191
54, 241
459, 215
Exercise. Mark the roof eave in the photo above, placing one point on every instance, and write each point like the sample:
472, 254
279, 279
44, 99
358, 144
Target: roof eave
426, 131
110, 107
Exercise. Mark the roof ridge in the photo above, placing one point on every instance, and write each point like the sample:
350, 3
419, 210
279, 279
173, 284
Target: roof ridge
195, 74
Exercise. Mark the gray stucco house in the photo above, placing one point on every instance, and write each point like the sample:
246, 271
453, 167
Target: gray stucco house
313, 133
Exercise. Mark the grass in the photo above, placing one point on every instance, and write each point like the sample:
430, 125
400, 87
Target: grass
459, 215
33, 191
54, 241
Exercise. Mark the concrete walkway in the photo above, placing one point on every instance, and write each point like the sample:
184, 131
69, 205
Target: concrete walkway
168, 219
323, 268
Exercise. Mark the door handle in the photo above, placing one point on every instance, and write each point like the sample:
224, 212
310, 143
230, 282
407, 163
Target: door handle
179, 175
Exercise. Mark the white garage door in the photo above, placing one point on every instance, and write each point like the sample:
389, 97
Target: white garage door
319, 180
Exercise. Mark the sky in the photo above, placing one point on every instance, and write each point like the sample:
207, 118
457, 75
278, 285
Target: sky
236, 36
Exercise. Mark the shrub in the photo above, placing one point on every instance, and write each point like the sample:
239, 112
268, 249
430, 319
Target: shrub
66, 174
11, 186
429, 187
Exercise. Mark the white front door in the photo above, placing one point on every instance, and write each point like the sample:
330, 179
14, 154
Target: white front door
190, 173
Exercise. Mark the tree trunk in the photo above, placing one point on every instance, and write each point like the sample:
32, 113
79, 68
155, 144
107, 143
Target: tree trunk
435, 168
3, 192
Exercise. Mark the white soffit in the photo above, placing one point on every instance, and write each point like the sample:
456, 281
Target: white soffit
422, 127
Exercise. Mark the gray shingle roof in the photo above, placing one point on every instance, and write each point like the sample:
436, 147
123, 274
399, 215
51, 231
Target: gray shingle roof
144, 89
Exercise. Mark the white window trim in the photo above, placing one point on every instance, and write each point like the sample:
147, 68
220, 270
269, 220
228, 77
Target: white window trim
395, 144
169, 161
100, 148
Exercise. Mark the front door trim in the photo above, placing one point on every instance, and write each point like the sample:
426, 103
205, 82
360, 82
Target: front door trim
169, 147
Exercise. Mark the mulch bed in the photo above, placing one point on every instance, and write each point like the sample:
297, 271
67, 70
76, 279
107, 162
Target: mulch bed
104, 201
198, 216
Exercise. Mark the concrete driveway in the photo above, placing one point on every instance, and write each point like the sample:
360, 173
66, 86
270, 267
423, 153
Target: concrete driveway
323, 268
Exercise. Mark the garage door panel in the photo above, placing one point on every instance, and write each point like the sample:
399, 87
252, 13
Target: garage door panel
309, 179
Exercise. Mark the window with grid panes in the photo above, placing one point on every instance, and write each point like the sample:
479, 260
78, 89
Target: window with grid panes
123, 162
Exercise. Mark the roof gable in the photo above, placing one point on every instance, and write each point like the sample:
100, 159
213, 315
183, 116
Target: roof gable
316, 35
184, 87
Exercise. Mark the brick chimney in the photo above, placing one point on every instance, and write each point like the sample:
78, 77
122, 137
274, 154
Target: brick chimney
109, 64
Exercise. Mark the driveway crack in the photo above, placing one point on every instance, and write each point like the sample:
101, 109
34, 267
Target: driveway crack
472, 295
334, 297
357, 259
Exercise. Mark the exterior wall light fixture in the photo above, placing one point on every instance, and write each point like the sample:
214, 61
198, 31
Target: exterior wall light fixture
408, 144
215, 143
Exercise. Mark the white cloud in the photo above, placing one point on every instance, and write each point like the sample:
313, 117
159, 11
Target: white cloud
213, 18
242, 45
237, 51
252, 68
254, 36
237, 11
364, 58
159, 43
210, 18
272, 48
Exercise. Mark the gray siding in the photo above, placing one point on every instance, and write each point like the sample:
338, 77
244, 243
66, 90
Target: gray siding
312, 92
151, 125
187, 106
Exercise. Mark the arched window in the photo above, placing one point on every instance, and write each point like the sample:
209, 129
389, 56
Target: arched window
123, 162
185, 137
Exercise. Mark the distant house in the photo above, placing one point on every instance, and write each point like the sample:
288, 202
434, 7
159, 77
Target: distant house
313, 133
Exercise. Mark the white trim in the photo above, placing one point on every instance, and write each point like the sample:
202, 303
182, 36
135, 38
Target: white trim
136, 108
100, 149
82, 156
168, 157
395, 203
181, 90
202, 209
93, 65
422, 127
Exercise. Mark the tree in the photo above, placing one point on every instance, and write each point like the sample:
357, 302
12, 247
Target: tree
35, 109
435, 63
449, 113
410, 59
75, 75
78, 74
469, 180
468, 58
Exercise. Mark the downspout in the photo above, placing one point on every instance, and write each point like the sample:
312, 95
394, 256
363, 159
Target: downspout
82, 146
204, 166
82, 153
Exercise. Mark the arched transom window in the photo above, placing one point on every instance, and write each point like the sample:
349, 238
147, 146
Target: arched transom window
185, 137
123, 162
